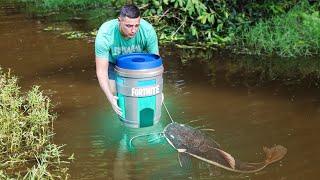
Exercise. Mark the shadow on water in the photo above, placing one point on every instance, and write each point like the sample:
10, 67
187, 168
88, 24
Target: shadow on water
204, 89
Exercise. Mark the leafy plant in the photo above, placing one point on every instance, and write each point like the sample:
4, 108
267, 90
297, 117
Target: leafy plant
26, 133
296, 33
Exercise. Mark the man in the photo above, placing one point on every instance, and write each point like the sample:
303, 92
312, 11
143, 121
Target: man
127, 34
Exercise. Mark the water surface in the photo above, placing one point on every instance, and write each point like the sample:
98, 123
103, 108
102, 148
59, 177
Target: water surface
199, 92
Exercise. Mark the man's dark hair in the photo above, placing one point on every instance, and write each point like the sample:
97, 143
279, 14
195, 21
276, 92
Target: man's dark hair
130, 11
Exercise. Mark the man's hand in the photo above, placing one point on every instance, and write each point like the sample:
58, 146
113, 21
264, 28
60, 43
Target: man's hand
102, 74
115, 106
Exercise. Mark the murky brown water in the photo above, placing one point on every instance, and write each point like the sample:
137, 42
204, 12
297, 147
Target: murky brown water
244, 118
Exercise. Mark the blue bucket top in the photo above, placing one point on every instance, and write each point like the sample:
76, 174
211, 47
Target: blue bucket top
139, 61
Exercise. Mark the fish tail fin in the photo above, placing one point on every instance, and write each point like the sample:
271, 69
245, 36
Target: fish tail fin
274, 153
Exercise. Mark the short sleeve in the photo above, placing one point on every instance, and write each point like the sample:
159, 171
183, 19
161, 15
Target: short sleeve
152, 43
102, 47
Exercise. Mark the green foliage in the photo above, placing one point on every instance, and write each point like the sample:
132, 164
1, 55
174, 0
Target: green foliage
203, 21
45, 6
26, 134
208, 23
295, 33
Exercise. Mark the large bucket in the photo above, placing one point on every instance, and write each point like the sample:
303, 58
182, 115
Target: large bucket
139, 86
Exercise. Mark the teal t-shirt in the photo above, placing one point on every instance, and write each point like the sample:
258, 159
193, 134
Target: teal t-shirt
110, 43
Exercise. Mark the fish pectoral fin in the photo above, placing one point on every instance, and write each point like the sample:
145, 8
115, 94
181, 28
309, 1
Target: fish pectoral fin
231, 161
185, 160
181, 150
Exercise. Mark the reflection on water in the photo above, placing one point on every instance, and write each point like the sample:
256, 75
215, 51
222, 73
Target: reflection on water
200, 92
112, 135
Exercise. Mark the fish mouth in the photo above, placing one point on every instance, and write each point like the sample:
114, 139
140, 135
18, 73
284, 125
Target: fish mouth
168, 126
170, 137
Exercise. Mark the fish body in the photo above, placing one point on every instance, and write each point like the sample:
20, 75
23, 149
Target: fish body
193, 142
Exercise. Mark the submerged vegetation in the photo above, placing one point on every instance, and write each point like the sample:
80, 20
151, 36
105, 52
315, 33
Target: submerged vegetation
256, 72
26, 131
253, 70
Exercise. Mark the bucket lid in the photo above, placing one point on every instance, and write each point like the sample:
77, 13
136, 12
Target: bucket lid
139, 61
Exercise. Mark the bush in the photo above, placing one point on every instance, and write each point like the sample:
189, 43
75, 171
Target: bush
296, 33
26, 133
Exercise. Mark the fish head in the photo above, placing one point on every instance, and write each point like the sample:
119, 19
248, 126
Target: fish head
177, 135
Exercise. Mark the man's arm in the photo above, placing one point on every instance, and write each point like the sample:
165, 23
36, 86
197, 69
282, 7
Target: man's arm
102, 65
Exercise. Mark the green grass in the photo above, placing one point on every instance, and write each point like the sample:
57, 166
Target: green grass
296, 33
26, 132
56, 5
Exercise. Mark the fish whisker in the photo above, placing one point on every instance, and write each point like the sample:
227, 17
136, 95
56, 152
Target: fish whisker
142, 135
208, 130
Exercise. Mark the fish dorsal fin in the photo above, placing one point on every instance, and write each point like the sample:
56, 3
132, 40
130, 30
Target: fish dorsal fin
231, 161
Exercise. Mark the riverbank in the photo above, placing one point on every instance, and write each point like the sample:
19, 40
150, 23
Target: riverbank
26, 131
198, 92
276, 28
299, 36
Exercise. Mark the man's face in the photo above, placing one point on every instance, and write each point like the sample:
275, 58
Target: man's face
129, 26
